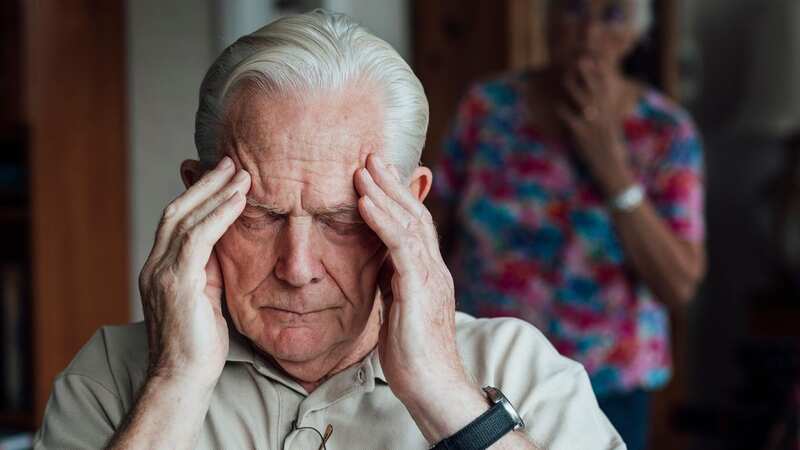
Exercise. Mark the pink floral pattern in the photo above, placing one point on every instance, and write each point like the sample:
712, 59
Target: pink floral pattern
534, 239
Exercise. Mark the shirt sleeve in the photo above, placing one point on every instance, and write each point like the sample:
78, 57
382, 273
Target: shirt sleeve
84, 408
459, 146
81, 413
552, 394
676, 185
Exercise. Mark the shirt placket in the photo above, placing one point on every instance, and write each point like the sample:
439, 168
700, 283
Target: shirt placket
314, 409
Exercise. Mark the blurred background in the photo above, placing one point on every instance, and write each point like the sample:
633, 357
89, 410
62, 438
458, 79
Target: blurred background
97, 103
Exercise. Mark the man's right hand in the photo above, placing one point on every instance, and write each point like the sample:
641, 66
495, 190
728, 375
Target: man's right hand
181, 286
181, 283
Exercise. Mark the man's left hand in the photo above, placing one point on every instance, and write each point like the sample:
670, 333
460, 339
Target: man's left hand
417, 345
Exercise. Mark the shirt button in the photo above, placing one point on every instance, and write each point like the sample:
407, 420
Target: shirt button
360, 377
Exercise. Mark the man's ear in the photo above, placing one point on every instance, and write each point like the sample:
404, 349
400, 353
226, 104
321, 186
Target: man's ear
420, 184
191, 171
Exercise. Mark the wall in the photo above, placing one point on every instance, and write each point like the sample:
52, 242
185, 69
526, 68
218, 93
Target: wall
739, 63
389, 19
169, 49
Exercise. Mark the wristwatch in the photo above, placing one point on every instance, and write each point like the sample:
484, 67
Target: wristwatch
628, 199
488, 428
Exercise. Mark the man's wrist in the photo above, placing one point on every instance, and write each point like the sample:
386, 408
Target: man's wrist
169, 413
181, 385
442, 412
195, 377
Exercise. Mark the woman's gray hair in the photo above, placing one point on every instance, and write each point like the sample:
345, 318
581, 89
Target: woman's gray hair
643, 18
306, 53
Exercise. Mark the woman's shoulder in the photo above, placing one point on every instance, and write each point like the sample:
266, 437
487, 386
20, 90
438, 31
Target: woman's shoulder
499, 89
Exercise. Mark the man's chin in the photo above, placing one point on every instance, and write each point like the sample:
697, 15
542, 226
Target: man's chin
295, 344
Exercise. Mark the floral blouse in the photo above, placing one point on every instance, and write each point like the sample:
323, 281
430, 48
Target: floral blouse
534, 238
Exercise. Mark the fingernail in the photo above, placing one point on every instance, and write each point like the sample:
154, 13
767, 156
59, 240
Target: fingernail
378, 161
226, 162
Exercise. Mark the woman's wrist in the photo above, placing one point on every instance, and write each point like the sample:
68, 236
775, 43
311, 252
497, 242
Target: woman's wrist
628, 200
615, 178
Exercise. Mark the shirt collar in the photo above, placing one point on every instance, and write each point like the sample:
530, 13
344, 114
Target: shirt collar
375, 360
240, 349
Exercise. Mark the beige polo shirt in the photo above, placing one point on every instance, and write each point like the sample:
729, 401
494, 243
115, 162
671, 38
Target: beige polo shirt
256, 406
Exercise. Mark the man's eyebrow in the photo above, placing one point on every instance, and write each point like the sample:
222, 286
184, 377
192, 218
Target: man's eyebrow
271, 209
340, 210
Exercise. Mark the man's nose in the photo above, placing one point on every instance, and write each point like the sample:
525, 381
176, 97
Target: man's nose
298, 263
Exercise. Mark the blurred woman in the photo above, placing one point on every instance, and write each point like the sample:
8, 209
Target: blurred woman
573, 198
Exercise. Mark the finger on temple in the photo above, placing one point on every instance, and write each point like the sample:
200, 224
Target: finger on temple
390, 232
240, 182
208, 231
425, 229
210, 183
392, 186
403, 214
207, 185
366, 185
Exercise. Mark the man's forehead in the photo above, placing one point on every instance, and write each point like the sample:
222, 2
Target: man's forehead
335, 127
307, 147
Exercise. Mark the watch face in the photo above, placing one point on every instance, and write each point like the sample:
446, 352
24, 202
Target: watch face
495, 396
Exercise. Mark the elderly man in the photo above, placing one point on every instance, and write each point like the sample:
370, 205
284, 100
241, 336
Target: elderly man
295, 296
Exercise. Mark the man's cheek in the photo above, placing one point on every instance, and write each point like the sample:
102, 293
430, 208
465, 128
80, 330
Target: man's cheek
372, 256
245, 262
352, 262
364, 252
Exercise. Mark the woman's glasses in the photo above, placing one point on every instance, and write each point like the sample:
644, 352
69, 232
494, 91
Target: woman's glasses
614, 14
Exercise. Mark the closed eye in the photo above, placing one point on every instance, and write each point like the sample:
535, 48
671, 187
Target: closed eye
345, 228
258, 218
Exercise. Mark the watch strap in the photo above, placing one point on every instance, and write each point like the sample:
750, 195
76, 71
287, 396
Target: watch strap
482, 432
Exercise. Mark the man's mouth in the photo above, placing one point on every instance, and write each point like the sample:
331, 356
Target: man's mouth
288, 315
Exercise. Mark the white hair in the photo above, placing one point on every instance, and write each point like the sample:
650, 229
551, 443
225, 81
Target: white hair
643, 18
306, 53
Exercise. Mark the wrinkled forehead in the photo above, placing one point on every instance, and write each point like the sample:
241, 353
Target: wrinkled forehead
303, 148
